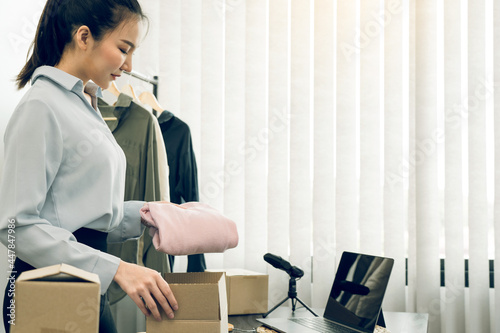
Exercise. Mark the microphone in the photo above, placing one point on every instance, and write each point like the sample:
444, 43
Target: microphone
280, 263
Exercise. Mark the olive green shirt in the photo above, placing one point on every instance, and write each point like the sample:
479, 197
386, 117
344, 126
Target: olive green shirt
134, 129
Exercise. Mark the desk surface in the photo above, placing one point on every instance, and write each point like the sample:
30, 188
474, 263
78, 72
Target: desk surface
397, 322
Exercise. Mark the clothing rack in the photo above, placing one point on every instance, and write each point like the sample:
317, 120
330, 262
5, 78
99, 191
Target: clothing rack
153, 81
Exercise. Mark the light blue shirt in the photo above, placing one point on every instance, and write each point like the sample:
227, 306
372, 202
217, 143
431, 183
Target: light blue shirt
63, 170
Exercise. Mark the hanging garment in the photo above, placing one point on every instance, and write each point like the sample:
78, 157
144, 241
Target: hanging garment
134, 130
190, 228
183, 177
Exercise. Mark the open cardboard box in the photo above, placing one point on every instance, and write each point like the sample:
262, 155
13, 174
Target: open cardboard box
59, 298
202, 304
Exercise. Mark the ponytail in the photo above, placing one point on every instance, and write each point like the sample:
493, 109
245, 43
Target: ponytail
61, 19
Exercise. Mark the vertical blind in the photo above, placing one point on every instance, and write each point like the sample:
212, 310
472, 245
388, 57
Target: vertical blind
454, 212
496, 124
323, 126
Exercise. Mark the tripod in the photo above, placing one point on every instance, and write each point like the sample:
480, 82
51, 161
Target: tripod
292, 295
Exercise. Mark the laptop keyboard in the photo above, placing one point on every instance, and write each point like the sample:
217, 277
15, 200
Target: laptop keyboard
321, 325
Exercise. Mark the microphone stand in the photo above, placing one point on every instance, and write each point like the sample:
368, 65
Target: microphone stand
292, 295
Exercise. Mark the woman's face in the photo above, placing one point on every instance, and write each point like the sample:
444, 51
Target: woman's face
113, 54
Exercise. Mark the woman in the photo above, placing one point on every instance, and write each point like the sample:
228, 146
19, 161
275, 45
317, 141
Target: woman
62, 186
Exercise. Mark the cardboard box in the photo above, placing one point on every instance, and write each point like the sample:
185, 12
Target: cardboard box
202, 304
247, 291
59, 298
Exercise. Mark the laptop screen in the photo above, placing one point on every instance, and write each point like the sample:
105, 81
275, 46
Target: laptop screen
358, 290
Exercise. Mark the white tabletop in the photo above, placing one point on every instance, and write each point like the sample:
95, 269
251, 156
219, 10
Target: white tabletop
404, 322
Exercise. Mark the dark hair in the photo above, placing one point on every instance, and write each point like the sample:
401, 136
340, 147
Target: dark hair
61, 19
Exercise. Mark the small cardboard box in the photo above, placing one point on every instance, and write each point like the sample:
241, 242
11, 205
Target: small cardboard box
247, 291
202, 304
59, 298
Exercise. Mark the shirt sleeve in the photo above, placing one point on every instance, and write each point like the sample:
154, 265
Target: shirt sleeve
34, 152
130, 226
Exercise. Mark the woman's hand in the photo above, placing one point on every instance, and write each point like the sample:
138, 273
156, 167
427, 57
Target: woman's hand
144, 286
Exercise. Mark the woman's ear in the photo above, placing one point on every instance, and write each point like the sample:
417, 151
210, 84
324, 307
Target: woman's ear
83, 38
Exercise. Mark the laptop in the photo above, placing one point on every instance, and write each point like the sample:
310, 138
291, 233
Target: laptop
355, 300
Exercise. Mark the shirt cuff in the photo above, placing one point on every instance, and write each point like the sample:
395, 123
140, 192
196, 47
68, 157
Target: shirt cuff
130, 226
106, 267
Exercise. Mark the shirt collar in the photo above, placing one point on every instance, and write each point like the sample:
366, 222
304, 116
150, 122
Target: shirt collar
93, 89
165, 116
119, 110
65, 80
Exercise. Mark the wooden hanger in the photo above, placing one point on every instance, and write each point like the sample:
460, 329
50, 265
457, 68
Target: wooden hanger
149, 99
128, 90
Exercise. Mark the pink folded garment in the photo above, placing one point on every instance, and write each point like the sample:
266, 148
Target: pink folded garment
190, 228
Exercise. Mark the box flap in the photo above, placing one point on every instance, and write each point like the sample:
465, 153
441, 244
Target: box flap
197, 294
223, 301
193, 278
202, 304
61, 272
196, 301
241, 272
